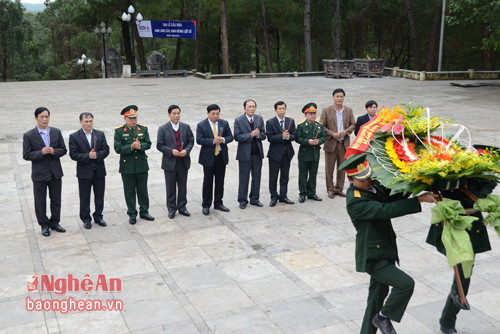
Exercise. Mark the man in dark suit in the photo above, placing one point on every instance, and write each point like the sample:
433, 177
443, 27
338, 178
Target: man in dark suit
43, 146
249, 132
88, 147
371, 207
175, 140
280, 131
131, 141
371, 110
213, 134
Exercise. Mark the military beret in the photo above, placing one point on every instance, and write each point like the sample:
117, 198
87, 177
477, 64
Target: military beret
310, 107
357, 167
130, 111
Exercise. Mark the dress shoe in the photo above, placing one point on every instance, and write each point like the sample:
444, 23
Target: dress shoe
221, 208
258, 203
458, 303
243, 205
87, 225
331, 195
286, 200
45, 231
341, 194
302, 199
206, 211
384, 325
315, 197
100, 222
272, 203
147, 216
171, 215
447, 330
132, 220
185, 212
58, 228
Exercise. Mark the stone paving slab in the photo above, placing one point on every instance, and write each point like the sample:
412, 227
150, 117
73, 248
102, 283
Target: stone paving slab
287, 269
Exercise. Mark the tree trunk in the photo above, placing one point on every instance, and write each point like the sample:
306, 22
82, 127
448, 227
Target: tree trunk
257, 54
278, 49
336, 33
487, 62
267, 47
307, 34
197, 20
140, 48
431, 53
223, 38
413, 36
178, 48
126, 41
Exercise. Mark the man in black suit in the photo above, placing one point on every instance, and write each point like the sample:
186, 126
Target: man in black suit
175, 141
371, 110
88, 147
43, 146
213, 134
280, 131
249, 132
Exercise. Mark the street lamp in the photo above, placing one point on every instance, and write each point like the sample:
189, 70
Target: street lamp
128, 18
82, 62
104, 32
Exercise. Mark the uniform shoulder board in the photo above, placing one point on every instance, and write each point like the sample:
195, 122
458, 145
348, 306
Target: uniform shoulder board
357, 194
143, 125
121, 126
301, 122
319, 122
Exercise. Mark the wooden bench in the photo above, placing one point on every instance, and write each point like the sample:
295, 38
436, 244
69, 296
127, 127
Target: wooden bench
149, 72
167, 72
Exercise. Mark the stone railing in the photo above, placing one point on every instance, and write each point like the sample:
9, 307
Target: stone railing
443, 75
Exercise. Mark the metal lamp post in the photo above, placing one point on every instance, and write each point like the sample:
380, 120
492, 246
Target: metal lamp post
104, 32
128, 18
82, 62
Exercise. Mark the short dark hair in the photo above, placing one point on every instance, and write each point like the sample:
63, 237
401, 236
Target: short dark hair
279, 103
40, 110
212, 107
370, 103
172, 107
249, 100
85, 114
338, 90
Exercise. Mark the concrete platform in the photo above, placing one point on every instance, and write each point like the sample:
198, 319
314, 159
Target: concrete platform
286, 269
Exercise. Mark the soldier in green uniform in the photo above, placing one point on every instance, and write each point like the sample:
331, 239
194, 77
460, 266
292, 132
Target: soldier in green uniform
478, 234
131, 142
371, 208
310, 136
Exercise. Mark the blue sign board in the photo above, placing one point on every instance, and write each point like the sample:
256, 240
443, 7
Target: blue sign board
167, 29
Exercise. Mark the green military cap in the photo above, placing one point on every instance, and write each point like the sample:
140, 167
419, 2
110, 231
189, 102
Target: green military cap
130, 111
357, 167
310, 107
482, 149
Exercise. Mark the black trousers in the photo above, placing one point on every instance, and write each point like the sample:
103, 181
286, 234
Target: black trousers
254, 167
217, 171
84, 188
176, 185
283, 169
40, 194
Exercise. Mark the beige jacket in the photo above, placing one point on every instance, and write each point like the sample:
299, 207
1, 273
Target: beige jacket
329, 121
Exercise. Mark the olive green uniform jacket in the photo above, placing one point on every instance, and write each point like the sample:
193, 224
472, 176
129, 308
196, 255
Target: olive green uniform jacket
371, 215
132, 161
306, 131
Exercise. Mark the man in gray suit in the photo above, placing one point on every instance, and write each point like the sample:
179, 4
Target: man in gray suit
249, 132
175, 140
43, 146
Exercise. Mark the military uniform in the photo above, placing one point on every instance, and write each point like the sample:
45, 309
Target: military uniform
478, 237
309, 155
134, 167
376, 250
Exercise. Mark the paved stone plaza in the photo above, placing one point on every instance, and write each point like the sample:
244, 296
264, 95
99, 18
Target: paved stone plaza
287, 269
